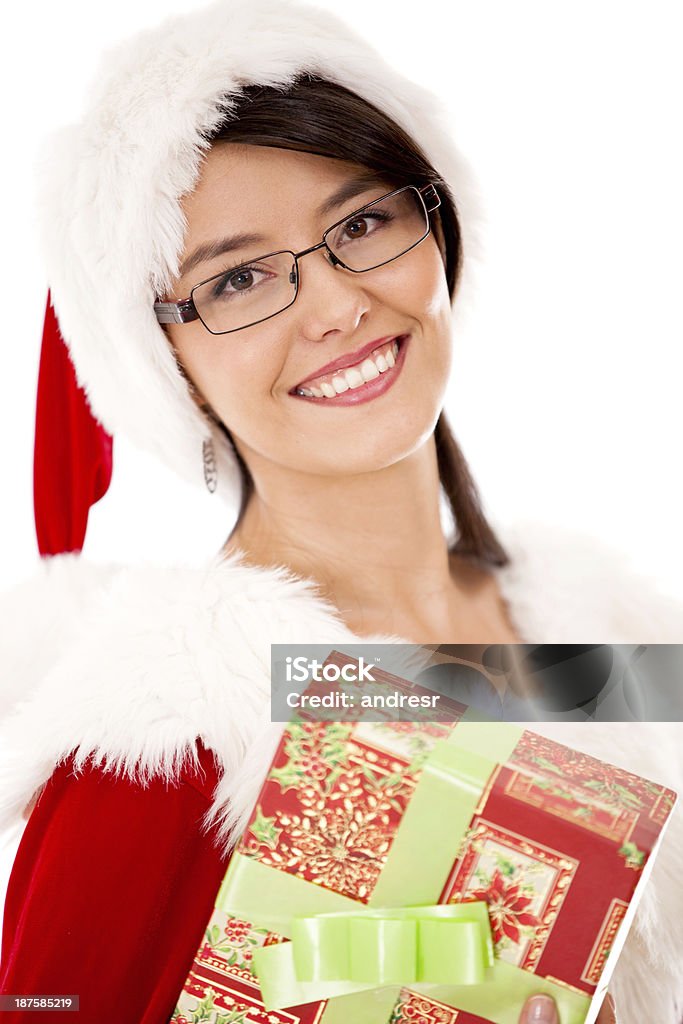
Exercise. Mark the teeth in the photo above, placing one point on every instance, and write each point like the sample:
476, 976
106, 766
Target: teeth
354, 376
368, 370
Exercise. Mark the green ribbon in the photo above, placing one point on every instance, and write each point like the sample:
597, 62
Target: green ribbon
499, 999
396, 925
442, 944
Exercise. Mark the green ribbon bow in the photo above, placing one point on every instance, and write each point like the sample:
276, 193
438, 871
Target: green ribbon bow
443, 944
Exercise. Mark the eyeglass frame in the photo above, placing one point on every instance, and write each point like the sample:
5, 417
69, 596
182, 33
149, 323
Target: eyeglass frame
185, 311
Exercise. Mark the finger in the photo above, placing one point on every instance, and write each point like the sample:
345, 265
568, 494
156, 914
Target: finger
540, 1009
607, 1013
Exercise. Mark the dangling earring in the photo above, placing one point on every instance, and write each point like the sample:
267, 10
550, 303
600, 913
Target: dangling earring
210, 465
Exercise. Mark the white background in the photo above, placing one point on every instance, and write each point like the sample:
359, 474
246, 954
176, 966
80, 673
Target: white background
566, 385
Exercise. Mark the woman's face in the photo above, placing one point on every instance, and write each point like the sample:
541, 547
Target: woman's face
252, 378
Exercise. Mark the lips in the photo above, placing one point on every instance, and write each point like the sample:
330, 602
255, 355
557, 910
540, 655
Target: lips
352, 370
359, 384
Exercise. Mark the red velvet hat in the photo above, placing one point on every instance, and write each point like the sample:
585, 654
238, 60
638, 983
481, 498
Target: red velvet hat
72, 464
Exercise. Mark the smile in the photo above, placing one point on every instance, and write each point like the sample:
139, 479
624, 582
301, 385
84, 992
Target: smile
369, 377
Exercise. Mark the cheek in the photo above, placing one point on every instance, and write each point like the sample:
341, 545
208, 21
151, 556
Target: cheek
225, 367
437, 317
416, 285
433, 291
420, 291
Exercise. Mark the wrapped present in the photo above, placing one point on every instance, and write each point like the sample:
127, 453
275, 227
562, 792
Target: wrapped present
397, 872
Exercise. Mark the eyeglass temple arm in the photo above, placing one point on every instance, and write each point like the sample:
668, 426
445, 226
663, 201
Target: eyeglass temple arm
431, 197
176, 312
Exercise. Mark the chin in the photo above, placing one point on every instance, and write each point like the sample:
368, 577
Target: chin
371, 451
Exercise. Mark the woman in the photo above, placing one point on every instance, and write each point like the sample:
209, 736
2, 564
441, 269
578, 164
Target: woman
337, 426
253, 248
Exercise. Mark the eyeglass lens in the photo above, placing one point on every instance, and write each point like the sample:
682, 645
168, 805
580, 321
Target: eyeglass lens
255, 291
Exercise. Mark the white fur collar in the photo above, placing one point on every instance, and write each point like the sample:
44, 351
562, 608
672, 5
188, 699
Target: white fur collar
135, 663
139, 662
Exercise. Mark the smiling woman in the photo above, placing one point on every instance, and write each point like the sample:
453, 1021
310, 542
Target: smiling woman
257, 239
388, 266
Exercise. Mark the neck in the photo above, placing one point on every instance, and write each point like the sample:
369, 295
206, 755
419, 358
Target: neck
373, 543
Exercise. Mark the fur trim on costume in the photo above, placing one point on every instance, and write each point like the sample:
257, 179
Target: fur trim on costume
153, 659
109, 194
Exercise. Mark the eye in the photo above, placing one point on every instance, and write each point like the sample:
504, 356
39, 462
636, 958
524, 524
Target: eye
241, 280
361, 226
238, 282
357, 227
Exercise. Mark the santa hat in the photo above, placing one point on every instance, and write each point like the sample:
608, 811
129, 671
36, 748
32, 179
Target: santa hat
109, 191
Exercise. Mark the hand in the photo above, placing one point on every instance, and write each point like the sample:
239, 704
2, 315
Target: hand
542, 1010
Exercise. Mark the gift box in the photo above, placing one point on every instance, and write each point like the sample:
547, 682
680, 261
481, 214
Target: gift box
397, 872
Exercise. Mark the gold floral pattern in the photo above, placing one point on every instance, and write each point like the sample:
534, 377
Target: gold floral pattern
330, 809
412, 1008
342, 849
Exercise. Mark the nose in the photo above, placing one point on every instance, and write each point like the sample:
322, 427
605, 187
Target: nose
331, 300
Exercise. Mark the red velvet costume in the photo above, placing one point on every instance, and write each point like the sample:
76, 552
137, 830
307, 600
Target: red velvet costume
109, 895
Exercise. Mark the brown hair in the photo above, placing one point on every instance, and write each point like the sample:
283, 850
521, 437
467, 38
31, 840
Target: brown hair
317, 116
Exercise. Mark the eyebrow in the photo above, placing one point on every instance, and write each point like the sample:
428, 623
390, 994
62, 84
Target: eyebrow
350, 189
209, 250
218, 247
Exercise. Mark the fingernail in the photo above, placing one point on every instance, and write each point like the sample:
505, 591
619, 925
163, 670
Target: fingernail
541, 1010
612, 1004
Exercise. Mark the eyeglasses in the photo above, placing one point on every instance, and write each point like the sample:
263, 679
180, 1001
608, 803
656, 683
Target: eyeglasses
259, 289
